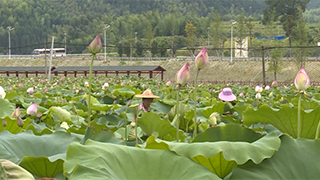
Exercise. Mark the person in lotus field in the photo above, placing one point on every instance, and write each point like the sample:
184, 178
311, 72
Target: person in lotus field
226, 95
147, 99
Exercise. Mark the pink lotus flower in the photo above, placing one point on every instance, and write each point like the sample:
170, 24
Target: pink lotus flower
20, 85
96, 45
302, 80
267, 87
30, 90
168, 83
183, 74
258, 89
202, 59
241, 94
105, 85
274, 84
32, 109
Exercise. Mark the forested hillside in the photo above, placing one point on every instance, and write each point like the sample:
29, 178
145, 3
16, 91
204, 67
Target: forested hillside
36, 21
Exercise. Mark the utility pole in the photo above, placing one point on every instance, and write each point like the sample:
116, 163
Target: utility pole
232, 23
9, 29
208, 36
65, 43
105, 41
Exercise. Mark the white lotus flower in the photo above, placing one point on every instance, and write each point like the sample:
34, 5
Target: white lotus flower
2, 92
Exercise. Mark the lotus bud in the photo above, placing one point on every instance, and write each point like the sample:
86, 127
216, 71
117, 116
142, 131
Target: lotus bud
20, 85
267, 87
32, 109
302, 80
30, 90
20, 122
183, 74
4, 123
129, 102
106, 84
213, 119
134, 109
258, 89
16, 113
86, 84
271, 94
202, 59
258, 96
144, 86
64, 125
241, 94
77, 91
96, 45
168, 83
133, 124
2, 92
274, 84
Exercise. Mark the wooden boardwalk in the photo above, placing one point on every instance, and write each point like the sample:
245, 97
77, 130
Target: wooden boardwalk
75, 70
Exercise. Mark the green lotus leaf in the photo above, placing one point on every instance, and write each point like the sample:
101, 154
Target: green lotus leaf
46, 152
151, 123
221, 156
101, 135
101, 107
229, 132
161, 108
11, 171
186, 115
39, 129
6, 108
77, 120
93, 99
218, 107
11, 95
126, 91
62, 114
284, 119
168, 101
296, 159
12, 125
221, 169
110, 120
96, 160
37, 95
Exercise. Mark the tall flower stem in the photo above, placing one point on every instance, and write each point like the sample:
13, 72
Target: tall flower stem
177, 112
135, 118
299, 116
126, 123
318, 129
89, 92
195, 105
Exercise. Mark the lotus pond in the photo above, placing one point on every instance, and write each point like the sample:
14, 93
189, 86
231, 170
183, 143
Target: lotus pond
248, 139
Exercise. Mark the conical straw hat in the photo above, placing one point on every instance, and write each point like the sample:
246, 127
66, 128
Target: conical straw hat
147, 94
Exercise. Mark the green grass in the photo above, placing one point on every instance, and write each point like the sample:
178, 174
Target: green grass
215, 71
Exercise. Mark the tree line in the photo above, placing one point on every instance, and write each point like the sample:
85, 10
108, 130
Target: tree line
146, 27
